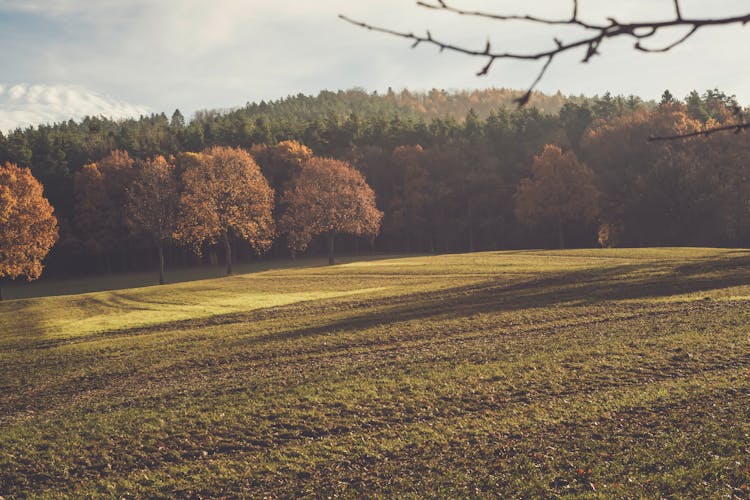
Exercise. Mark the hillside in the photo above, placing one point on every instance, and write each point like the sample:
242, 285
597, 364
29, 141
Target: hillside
613, 372
444, 166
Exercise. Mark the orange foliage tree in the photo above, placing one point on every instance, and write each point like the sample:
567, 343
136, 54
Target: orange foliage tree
560, 191
281, 163
153, 203
28, 227
329, 197
225, 195
101, 200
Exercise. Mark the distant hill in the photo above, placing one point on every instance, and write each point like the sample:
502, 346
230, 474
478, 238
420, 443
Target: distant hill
436, 103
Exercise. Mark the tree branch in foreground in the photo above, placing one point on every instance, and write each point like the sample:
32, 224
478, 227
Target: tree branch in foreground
737, 128
590, 42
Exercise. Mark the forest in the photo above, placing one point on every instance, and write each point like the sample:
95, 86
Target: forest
446, 172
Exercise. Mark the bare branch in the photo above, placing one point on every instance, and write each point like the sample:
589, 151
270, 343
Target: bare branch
670, 46
677, 9
524, 99
441, 5
591, 42
737, 128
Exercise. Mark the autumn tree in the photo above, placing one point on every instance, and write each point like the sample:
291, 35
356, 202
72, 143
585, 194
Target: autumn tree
282, 162
329, 197
153, 204
636, 180
560, 191
101, 201
28, 227
225, 195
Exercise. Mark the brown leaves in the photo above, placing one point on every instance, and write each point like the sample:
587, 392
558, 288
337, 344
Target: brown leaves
101, 198
225, 192
561, 190
328, 197
28, 227
281, 163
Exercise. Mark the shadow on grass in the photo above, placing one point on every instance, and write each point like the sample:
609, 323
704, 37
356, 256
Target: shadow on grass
20, 318
118, 281
641, 281
583, 287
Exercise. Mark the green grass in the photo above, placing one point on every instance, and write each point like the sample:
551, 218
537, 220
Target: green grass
589, 373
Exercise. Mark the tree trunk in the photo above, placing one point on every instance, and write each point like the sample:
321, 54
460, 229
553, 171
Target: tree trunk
469, 222
161, 262
331, 237
1, 291
228, 252
124, 258
560, 234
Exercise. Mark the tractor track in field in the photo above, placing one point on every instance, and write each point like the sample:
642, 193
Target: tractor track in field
394, 348
232, 443
564, 379
553, 446
486, 295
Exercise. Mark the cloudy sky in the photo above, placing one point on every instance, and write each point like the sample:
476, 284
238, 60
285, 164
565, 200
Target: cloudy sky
70, 58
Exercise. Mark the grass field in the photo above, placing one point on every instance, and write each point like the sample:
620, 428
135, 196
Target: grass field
593, 373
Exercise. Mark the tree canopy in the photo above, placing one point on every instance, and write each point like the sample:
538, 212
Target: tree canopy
226, 195
153, 203
444, 176
101, 195
328, 197
28, 227
560, 191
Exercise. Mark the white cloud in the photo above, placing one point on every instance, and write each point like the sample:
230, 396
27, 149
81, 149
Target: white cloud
57, 7
24, 104
198, 54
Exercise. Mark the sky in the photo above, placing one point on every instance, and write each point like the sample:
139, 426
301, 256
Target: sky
64, 59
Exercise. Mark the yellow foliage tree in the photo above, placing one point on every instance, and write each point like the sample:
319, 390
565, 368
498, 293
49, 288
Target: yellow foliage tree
28, 227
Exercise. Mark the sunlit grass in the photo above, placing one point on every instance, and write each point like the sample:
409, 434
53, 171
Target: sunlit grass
619, 373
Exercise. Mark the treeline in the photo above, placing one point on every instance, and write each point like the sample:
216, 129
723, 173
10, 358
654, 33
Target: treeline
215, 197
445, 184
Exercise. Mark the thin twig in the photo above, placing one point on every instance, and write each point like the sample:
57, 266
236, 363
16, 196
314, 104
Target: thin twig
502, 17
737, 128
591, 43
